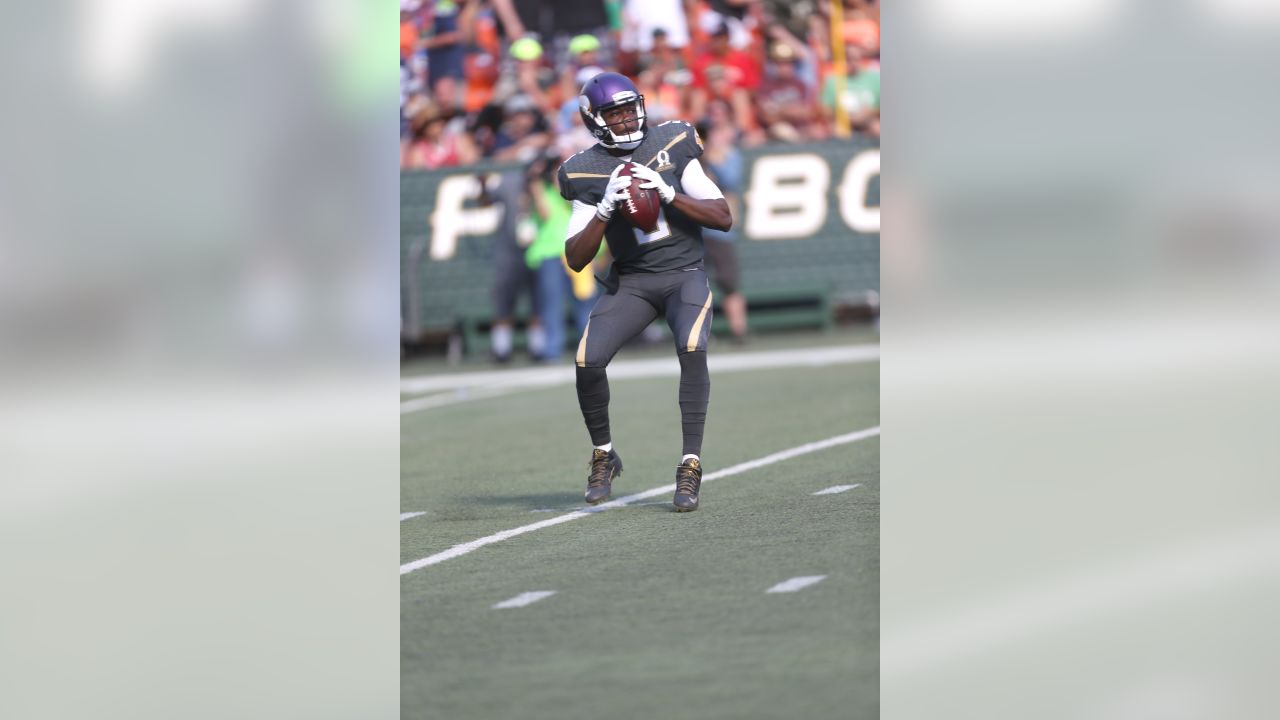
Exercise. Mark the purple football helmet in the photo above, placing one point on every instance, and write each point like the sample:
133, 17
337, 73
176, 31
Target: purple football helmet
608, 90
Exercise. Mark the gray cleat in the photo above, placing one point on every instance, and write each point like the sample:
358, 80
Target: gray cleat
688, 482
605, 466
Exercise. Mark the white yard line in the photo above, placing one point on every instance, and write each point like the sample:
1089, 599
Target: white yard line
464, 548
837, 489
441, 390
526, 598
569, 509
406, 516
451, 397
796, 583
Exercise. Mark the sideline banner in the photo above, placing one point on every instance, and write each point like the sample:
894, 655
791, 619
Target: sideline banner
809, 216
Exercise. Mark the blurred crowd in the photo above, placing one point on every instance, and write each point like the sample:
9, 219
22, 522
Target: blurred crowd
499, 79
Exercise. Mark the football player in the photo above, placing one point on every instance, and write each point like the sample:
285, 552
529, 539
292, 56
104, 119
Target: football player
657, 272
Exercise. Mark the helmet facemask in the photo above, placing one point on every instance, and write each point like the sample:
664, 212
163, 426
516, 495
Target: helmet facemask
609, 134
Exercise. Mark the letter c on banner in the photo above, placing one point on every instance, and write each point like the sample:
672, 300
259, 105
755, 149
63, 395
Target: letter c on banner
853, 192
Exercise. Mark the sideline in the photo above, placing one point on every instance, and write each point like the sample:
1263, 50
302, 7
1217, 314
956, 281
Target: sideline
443, 390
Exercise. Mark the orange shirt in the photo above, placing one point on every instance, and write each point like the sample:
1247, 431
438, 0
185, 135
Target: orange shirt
408, 38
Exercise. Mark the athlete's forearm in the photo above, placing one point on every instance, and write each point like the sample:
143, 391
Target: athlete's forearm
713, 213
582, 248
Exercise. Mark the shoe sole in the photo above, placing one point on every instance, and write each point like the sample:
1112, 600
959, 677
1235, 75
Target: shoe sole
684, 509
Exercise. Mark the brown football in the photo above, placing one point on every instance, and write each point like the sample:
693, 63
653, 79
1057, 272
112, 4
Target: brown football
642, 205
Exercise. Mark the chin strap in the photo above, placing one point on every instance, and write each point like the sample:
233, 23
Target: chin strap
619, 143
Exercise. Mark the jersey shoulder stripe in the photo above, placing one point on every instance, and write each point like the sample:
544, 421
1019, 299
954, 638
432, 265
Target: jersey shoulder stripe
583, 176
671, 145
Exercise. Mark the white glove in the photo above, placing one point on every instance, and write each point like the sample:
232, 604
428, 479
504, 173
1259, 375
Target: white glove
614, 193
653, 180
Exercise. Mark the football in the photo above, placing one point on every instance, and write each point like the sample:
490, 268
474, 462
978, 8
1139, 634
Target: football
642, 205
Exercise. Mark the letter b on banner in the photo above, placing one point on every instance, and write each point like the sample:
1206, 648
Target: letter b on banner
787, 197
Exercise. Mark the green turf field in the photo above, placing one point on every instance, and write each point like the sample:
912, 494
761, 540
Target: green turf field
655, 614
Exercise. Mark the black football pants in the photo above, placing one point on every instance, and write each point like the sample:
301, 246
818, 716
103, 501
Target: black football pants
684, 297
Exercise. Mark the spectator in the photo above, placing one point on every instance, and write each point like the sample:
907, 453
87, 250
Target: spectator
613, 14
786, 106
511, 17
661, 57
413, 61
793, 16
480, 69
859, 94
722, 73
730, 14
447, 41
484, 126
444, 41
724, 166
640, 18
512, 276
411, 86
660, 102
719, 114
579, 20
862, 25
408, 32
524, 74
583, 65
433, 142
554, 23
863, 32
571, 135
663, 71
523, 135
740, 68
584, 51
567, 116
546, 257
478, 27
444, 52
478, 24
806, 57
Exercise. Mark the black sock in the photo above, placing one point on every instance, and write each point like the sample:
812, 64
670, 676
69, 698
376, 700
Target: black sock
695, 390
593, 398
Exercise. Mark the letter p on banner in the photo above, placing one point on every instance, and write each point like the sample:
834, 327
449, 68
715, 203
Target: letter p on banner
451, 219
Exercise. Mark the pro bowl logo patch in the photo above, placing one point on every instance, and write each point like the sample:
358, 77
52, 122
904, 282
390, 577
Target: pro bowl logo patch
664, 161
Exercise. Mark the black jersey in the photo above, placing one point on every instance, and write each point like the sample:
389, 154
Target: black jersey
677, 241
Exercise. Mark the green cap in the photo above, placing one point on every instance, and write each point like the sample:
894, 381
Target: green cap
583, 43
526, 49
